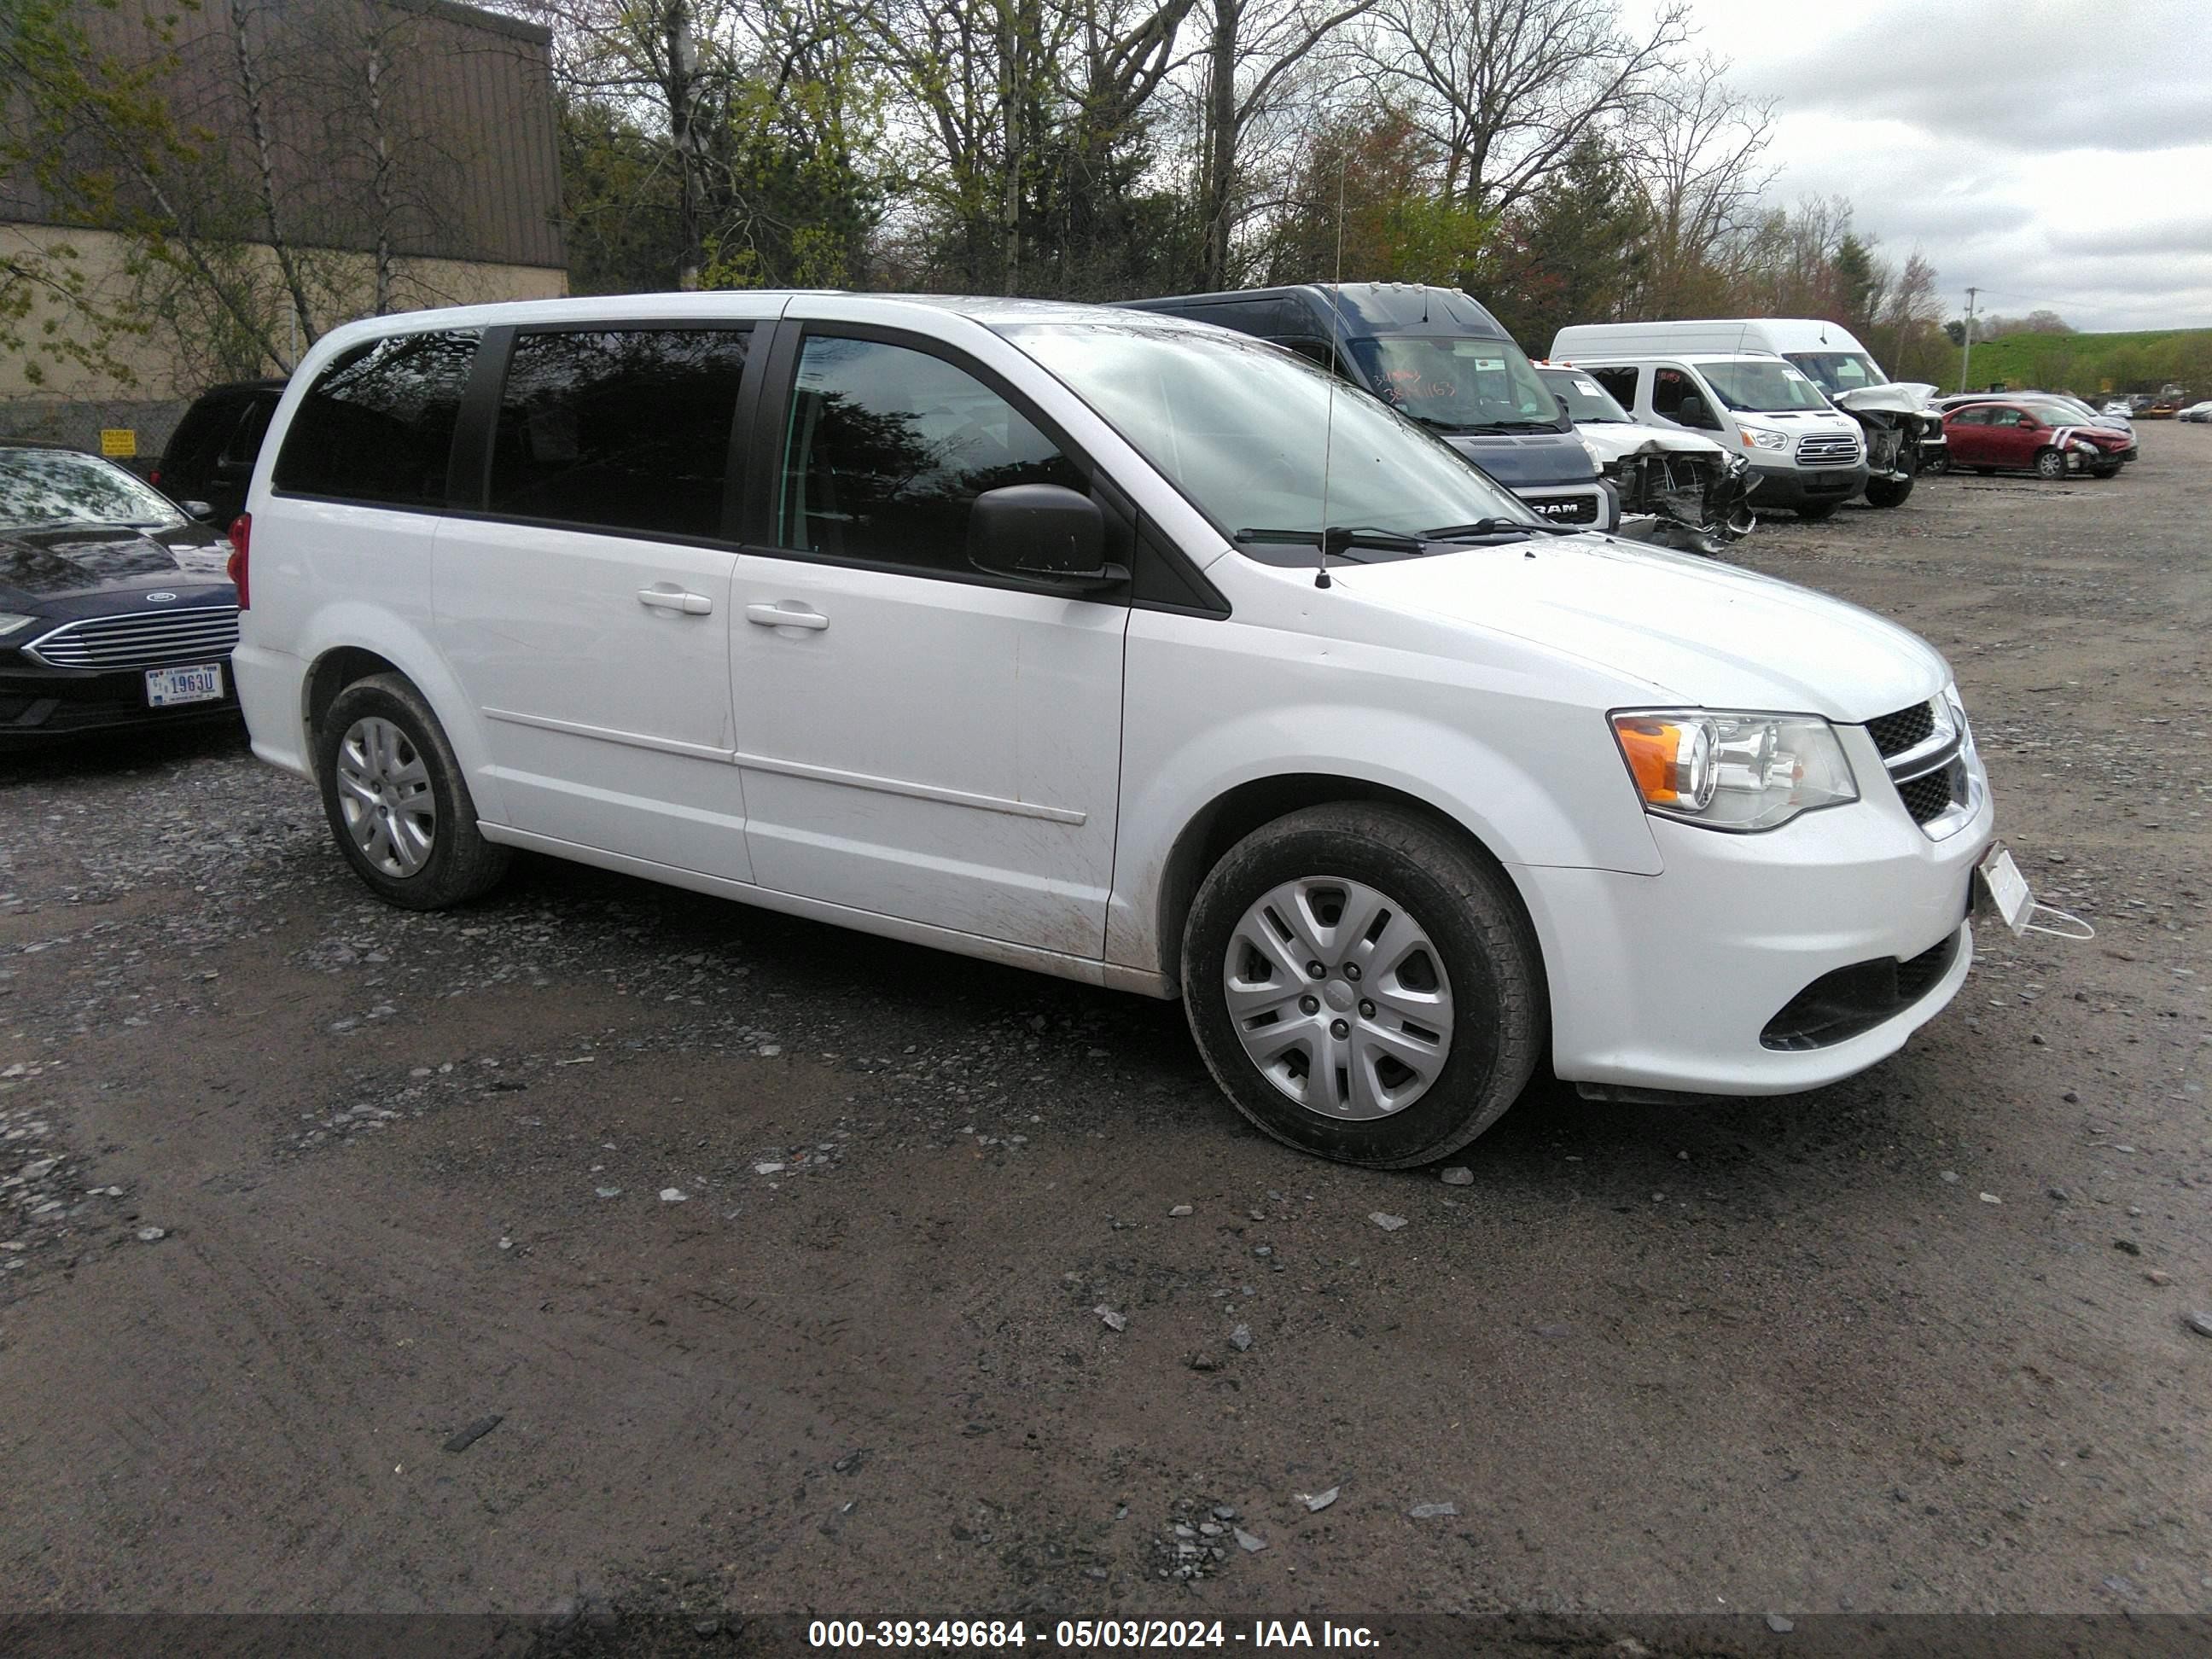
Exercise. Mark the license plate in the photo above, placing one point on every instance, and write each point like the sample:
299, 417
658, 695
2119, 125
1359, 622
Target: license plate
166, 687
1999, 887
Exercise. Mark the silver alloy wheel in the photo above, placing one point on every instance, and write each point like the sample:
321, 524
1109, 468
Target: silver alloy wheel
384, 791
1339, 997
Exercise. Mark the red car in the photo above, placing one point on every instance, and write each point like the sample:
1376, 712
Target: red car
2023, 436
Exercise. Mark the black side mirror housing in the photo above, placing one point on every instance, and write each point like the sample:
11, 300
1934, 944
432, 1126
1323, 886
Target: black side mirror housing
1043, 533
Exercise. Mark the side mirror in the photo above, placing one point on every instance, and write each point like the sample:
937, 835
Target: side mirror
1566, 414
200, 510
1043, 533
1691, 412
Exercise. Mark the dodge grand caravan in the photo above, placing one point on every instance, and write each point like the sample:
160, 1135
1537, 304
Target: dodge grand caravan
1020, 629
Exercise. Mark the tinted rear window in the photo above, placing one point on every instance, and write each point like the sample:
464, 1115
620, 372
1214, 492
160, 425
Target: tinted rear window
619, 428
378, 424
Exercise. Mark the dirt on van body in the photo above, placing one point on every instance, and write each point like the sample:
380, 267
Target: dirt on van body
605, 1247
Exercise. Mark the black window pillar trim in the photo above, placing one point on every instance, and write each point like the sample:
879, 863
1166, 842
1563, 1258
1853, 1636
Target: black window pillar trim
468, 472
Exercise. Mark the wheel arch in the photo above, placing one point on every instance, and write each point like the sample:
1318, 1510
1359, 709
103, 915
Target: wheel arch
1237, 812
355, 640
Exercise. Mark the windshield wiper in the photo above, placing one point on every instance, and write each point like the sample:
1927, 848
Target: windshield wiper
1453, 533
1338, 537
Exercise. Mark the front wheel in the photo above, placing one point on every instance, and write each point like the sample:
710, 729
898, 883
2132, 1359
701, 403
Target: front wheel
1813, 512
1363, 985
2049, 464
398, 804
2103, 471
1887, 492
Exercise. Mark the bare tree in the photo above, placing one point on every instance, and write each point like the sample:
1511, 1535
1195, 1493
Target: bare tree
1252, 49
1505, 87
1700, 149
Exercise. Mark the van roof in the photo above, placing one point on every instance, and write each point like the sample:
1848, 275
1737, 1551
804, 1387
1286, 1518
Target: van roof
1360, 308
733, 304
1579, 358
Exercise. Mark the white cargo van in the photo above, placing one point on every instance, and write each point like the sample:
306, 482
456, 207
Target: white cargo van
1001, 627
1904, 433
1804, 452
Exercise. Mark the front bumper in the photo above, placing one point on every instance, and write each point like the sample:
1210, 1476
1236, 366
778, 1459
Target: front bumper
41, 706
1794, 486
1679, 981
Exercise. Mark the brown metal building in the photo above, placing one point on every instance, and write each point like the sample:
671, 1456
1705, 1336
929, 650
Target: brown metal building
398, 152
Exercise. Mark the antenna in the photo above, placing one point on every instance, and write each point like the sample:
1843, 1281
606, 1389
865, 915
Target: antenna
1335, 331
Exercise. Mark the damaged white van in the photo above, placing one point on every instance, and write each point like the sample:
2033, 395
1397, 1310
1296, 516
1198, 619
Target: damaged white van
1117, 646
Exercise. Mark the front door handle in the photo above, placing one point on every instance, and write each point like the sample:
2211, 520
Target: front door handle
670, 597
776, 615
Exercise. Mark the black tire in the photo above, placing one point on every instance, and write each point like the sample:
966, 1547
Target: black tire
1887, 492
1466, 910
2105, 471
460, 865
2049, 464
1935, 466
1813, 512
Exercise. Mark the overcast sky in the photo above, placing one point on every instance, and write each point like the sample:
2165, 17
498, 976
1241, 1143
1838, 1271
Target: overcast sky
2056, 153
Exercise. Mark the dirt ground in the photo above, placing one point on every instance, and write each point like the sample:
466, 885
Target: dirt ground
774, 1250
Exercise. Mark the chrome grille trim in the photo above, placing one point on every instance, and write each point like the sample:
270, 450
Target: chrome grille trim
199, 631
1828, 449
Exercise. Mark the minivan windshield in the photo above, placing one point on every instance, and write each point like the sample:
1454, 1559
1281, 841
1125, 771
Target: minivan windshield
1839, 371
1589, 403
1761, 386
1458, 383
1241, 427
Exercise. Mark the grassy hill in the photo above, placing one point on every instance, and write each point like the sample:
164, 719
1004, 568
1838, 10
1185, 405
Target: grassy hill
2087, 363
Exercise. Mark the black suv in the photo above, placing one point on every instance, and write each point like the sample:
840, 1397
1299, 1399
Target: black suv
209, 457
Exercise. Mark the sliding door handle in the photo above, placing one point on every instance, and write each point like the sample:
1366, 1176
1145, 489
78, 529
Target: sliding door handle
789, 613
674, 599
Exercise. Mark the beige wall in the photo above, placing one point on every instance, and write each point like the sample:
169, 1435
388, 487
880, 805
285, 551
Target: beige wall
162, 370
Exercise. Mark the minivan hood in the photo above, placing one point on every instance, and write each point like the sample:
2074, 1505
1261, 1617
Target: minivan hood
1699, 634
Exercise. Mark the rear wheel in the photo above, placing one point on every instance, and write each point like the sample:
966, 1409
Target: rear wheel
1363, 985
1813, 512
1887, 492
398, 804
2049, 464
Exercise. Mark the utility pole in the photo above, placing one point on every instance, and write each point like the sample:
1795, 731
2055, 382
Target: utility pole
1967, 366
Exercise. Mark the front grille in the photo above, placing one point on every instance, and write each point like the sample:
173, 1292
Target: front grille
1893, 734
1564, 509
1839, 1005
199, 633
1929, 796
1828, 449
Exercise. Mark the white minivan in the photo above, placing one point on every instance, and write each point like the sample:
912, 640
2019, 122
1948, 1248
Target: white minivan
1115, 646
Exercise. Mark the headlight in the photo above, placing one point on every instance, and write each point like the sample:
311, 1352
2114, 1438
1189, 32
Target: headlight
9, 623
1733, 771
1763, 439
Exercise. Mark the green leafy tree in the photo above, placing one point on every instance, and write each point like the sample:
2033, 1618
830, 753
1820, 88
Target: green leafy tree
1575, 253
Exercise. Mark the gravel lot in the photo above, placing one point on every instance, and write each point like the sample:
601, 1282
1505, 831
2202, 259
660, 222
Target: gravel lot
776, 1253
